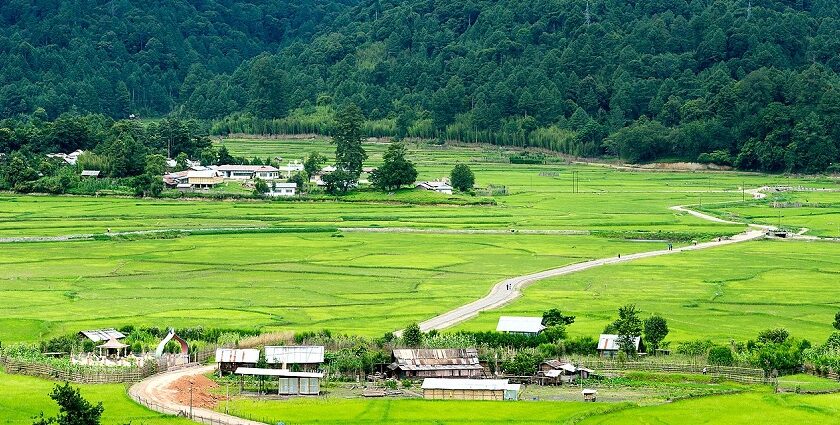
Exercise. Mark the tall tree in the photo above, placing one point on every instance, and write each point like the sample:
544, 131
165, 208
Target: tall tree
656, 329
395, 171
628, 327
349, 153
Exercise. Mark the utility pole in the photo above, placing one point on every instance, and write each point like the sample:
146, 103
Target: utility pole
588, 16
191, 398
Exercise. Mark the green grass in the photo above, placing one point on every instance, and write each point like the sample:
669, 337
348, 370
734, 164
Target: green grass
405, 412
362, 283
724, 293
745, 408
24, 397
805, 382
748, 408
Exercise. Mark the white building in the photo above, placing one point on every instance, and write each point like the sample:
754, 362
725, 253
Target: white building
69, 158
608, 345
437, 186
281, 189
307, 357
520, 325
249, 172
291, 168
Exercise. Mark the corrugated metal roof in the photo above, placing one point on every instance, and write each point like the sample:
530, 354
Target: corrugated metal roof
520, 324
228, 167
467, 384
281, 373
436, 359
609, 342
97, 335
294, 354
232, 355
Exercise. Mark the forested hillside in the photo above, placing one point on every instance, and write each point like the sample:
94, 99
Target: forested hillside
752, 83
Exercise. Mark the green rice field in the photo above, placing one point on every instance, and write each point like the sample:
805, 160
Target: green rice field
781, 409
24, 397
723, 293
365, 283
817, 211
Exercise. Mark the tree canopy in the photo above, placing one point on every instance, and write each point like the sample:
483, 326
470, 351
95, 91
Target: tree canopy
752, 84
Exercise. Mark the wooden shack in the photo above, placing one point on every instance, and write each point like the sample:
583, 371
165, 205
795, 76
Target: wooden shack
230, 359
469, 389
435, 363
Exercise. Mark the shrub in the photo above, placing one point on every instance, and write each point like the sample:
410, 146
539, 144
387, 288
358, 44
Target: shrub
719, 157
721, 356
584, 345
694, 348
777, 336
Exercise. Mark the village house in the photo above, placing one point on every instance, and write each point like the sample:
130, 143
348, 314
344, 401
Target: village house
608, 345
69, 158
249, 172
230, 359
202, 179
304, 358
469, 389
99, 335
435, 363
437, 186
291, 168
557, 372
520, 325
281, 189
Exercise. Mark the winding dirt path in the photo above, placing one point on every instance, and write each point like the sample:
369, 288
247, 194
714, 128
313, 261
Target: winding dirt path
154, 393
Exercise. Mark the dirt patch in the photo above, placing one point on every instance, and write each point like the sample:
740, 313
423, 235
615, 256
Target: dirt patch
201, 395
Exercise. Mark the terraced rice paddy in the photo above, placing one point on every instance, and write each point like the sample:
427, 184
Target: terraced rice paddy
361, 283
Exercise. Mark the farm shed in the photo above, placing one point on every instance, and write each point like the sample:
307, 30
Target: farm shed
520, 325
99, 335
203, 179
288, 383
229, 359
557, 372
608, 345
436, 363
305, 358
469, 389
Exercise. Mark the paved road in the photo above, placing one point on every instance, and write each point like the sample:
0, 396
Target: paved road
500, 294
153, 393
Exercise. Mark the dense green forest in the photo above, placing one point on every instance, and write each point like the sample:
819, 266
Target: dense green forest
749, 83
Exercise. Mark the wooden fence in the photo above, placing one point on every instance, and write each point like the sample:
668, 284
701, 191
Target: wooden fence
79, 376
101, 374
737, 374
